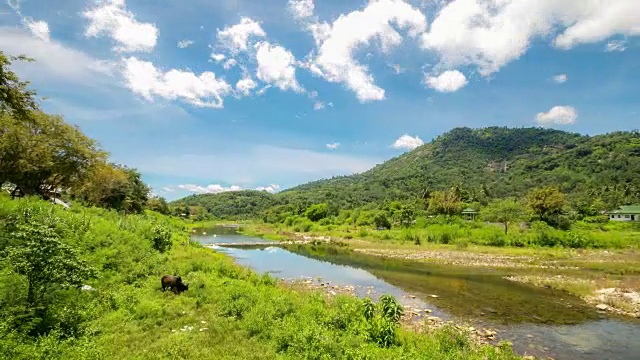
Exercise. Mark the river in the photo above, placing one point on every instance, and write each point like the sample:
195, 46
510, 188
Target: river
540, 322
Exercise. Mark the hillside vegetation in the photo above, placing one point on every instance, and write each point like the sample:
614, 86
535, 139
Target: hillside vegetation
481, 164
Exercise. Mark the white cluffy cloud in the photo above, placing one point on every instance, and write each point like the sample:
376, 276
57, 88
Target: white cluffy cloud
37, 28
616, 45
110, 17
276, 66
245, 85
183, 44
209, 189
333, 146
561, 115
204, 90
448, 81
301, 9
372, 26
218, 57
235, 38
407, 142
560, 78
269, 188
217, 188
492, 33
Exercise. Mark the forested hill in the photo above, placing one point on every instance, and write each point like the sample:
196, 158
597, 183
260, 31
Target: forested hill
490, 162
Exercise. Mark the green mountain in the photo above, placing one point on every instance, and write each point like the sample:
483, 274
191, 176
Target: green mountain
491, 162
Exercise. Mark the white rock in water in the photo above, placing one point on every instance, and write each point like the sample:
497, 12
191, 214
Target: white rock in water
602, 306
634, 297
607, 291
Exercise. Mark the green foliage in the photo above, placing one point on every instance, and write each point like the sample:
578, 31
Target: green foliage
158, 204
317, 212
44, 153
546, 202
504, 211
382, 321
233, 204
381, 221
161, 238
47, 265
40, 154
15, 99
445, 202
117, 187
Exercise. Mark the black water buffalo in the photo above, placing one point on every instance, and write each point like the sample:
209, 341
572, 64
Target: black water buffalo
173, 282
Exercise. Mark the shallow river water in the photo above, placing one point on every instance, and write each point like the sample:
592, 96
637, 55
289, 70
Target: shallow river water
537, 321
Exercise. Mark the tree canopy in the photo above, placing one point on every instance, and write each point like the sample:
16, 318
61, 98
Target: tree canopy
504, 211
44, 154
41, 154
16, 99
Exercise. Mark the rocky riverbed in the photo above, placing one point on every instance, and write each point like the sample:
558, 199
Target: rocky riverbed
462, 258
612, 299
415, 317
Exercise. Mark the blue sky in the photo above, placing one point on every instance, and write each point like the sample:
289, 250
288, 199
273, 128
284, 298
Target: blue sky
208, 96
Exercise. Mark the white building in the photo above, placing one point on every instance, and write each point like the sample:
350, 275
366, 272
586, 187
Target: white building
625, 213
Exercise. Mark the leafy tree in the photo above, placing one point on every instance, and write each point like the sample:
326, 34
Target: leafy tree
105, 186
445, 202
407, 215
546, 202
46, 263
15, 99
317, 212
158, 204
137, 192
381, 220
115, 187
44, 154
504, 211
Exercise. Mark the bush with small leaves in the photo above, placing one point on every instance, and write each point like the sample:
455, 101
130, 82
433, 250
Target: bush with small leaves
161, 239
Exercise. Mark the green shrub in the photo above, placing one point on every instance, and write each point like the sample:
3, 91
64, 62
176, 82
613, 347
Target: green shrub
161, 240
577, 240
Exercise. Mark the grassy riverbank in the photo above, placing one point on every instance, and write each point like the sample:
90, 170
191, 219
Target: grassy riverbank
229, 312
608, 276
